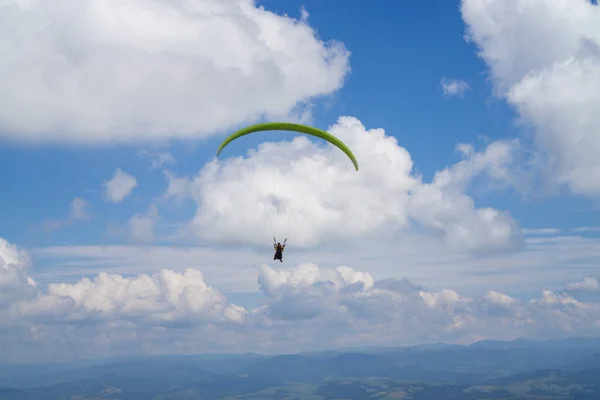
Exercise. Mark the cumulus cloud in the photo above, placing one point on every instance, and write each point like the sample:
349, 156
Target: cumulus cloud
454, 87
312, 192
308, 306
588, 284
356, 303
78, 212
119, 186
79, 209
141, 226
15, 283
99, 71
165, 298
444, 207
158, 159
555, 88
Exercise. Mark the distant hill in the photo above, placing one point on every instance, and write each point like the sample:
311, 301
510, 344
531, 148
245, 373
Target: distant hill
520, 369
290, 368
591, 362
538, 375
9, 392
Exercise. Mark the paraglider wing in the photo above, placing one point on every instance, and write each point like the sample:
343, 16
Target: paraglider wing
288, 126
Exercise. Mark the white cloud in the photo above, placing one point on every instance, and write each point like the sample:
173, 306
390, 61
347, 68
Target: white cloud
79, 209
100, 71
587, 229
141, 226
78, 212
158, 159
542, 231
15, 283
308, 306
165, 298
119, 186
177, 188
500, 300
588, 284
312, 193
454, 87
367, 308
555, 88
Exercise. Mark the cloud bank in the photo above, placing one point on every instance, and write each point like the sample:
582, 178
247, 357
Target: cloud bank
544, 60
311, 193
305, 306
99, 71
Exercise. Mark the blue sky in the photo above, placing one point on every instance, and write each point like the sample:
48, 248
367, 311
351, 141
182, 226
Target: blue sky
130, 90
397, 61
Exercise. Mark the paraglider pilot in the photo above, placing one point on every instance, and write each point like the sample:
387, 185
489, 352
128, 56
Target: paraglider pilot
278, 249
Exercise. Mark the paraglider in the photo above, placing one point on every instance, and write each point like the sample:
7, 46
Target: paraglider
287, 126
279, 248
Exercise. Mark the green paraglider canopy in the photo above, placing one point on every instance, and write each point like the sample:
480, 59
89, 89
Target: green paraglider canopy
288, 126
